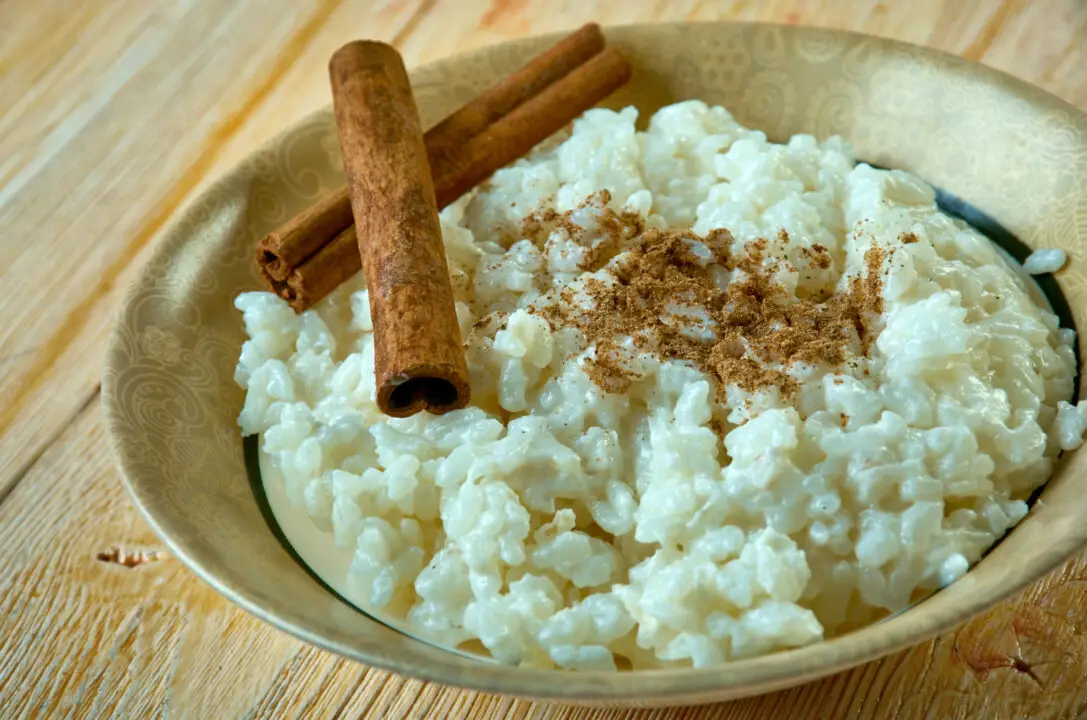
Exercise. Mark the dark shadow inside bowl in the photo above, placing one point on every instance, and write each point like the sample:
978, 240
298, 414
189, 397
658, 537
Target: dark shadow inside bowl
1003, 238
251, 452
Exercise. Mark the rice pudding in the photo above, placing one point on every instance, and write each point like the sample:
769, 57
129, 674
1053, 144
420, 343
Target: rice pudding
729, 397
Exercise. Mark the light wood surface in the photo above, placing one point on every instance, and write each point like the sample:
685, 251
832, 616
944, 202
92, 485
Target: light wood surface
113, 114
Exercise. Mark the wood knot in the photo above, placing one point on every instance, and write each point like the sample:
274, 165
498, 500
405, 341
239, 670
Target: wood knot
118, 556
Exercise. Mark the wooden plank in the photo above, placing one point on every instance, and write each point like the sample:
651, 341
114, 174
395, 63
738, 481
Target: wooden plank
78, 630
1042, 42
157, 112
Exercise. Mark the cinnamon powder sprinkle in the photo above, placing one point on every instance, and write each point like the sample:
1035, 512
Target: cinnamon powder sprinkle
614, 227
820, 257
757, 329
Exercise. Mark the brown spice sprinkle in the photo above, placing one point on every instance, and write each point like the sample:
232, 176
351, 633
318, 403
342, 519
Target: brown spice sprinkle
611, 226
758, 328
873, 282
538, 225
820, 257
908, 238
718, 428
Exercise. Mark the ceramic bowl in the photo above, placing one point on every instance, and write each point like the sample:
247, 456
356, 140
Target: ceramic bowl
1002, 147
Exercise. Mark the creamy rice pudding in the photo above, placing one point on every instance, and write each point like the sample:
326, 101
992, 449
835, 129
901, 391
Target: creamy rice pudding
729, 397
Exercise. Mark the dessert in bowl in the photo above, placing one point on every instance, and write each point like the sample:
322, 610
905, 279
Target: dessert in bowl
729, 396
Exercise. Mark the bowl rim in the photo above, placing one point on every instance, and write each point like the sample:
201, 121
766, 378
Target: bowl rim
658, 687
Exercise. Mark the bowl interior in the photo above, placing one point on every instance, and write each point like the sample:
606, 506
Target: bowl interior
1001, 146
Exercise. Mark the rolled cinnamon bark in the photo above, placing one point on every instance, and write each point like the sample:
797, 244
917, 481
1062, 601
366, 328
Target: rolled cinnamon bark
323, 272
305, 259
529, 123
518, 87
418, 355
292, 244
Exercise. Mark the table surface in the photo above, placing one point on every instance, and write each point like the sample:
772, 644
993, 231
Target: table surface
114, 114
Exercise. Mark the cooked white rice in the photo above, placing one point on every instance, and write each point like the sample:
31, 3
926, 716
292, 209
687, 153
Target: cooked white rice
1045, 260
561, 526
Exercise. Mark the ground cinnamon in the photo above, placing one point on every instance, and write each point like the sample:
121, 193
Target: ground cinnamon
418, 356
307, 258
756, 330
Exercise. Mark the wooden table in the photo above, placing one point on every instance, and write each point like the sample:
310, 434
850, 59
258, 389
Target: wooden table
115, 113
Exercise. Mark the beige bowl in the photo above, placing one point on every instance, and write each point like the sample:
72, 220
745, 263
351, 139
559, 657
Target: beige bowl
170, 402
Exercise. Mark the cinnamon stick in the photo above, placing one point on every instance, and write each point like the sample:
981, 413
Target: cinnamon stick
323, 272
518, 87
530, 123
289, 246
418, 356
306, 258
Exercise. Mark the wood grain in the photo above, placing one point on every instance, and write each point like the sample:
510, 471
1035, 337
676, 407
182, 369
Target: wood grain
115, 115
139, 136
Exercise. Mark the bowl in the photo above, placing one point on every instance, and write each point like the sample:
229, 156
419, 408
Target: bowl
996, 144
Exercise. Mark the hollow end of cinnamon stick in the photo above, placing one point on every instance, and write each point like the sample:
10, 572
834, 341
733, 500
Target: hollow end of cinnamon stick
324, 271
288, 247
279, 287
435, 390
270, 261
